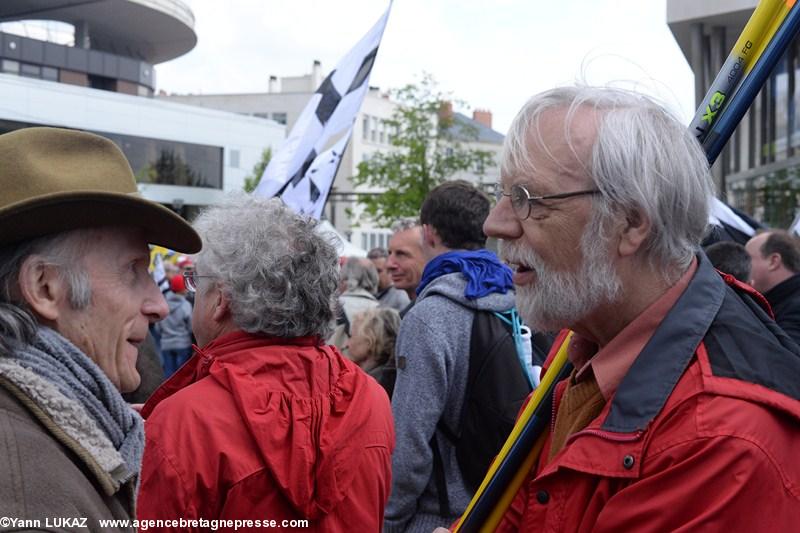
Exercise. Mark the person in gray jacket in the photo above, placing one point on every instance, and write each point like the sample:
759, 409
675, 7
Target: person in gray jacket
358, 283
76, 300
432, 353
176, 330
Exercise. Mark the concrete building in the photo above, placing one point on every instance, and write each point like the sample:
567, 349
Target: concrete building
98, 75
758, 170
285, 100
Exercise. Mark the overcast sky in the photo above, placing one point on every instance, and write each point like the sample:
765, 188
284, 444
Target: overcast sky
491, 55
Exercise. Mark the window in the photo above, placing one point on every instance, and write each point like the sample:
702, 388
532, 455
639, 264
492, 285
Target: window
383, 132
30, 71
171, 163
374, 239
365, 128
280, 118
10, 66
50, 73
373, 132
233, 158
161, 162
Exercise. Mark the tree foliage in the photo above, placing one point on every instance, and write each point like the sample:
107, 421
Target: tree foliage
428, 148
254, 178
169, 169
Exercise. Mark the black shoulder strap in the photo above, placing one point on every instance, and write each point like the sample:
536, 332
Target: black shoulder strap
439, 479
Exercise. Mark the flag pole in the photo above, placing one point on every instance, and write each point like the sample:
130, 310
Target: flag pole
758, 30
338, 165
751, 85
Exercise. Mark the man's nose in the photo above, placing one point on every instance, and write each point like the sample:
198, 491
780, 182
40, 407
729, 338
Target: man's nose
502, 223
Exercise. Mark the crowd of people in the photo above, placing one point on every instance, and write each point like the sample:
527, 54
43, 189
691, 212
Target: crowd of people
371, 394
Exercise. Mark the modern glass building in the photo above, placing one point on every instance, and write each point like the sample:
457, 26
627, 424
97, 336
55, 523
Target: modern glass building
90, 66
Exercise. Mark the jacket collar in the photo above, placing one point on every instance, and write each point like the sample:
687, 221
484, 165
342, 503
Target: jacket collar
652, 377
783, 290
707, 303
230, 344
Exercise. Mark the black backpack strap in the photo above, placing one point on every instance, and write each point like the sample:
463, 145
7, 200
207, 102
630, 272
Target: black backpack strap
440, 480
542, 342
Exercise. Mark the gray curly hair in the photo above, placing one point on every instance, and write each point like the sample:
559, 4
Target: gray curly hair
280, 275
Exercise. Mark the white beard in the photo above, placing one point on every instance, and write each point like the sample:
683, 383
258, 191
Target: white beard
560, 299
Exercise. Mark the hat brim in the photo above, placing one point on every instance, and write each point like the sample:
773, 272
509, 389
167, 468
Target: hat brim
58, 212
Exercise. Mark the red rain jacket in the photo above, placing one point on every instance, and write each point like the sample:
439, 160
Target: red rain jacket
702, 434
268, 429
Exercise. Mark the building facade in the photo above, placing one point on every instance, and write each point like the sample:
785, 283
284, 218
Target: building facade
286, 99
100, 78
758, 170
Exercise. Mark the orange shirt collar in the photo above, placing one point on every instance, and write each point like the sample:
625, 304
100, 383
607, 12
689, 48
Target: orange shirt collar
610, 364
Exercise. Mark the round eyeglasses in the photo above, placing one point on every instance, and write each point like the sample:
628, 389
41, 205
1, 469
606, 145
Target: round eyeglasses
190, 278
522, 201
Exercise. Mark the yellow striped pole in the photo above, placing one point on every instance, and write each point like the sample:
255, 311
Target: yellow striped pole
763, 23
503, 479
777, 20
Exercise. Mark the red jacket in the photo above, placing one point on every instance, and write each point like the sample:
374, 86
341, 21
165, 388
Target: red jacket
267, 428
701, 435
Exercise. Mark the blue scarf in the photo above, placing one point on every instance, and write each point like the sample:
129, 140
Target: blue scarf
484, 272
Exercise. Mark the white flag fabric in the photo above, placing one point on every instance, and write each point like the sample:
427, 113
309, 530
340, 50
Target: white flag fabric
308, 197
160, 274
794, 229
720, 213
331, 110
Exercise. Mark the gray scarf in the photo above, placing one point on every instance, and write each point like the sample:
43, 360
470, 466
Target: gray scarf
78, 378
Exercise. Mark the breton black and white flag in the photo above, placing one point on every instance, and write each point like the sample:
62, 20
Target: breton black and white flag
794, 229
308, 196
302, 171
729, 224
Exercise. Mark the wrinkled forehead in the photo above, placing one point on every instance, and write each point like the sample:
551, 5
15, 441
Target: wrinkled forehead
551, 140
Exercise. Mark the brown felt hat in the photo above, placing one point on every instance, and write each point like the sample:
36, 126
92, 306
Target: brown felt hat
54, 180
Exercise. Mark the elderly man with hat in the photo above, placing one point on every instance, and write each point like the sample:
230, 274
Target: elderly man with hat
76, 300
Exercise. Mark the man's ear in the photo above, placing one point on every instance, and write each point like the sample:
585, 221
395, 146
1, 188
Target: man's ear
774, 261
42, 287
429, 235
222, 309
635, 230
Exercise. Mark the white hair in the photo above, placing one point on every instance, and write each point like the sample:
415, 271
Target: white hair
643, 160
360, 273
